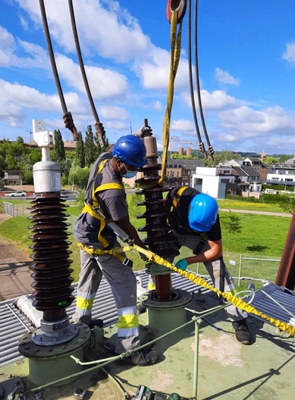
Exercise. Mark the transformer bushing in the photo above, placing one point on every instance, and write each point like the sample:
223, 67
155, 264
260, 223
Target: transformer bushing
159, 238
56, 338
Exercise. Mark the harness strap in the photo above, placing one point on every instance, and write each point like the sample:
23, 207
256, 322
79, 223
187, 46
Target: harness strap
100, 252
177, 196
89, 209
107, 186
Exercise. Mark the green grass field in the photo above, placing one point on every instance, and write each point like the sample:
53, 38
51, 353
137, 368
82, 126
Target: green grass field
260, 237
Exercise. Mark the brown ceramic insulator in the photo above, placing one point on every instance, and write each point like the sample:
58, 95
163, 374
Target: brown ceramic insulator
156, 226
163, 287
51, 272
158, 239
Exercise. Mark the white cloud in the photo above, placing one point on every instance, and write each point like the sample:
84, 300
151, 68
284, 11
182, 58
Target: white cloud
112, 112
15, 97
154, 72
104, 83
9, 47
11, 112
249, 122
157, 105
103, 27
225, 77
212, 101
6, 46
117, 125
182, 125
289, 53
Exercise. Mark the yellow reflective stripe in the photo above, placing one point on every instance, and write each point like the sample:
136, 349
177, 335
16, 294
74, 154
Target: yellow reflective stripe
151, 286
127, 321
118, 254
125, 333
176, 198
84, 304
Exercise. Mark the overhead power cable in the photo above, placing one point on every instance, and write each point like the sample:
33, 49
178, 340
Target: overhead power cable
191, 84
69, 123
210, 148
198, 90
100, 131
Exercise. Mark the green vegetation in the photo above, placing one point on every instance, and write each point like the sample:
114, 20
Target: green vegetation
238, 204
16, 155
260, 236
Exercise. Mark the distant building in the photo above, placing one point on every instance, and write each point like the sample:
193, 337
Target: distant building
217, 182
180, 171
281, 175
13, 177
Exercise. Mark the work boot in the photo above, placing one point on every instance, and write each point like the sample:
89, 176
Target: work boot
243, 334
95, 322
141, 358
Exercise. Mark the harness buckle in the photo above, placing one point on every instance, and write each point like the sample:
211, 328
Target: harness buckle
127, 262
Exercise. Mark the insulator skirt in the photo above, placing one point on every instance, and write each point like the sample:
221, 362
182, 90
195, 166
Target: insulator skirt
51, 272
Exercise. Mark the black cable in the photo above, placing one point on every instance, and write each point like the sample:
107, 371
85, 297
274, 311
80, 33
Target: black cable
210, 148
70, 122
201, 144
98, 125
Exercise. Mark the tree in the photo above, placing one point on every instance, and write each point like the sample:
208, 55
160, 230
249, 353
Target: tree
81, 177
287, 204
34, 156
220, 157
20, 140
284, 158
65, 167
12, 162
2, 165
59, 147
270, 160
80, 151
91, 151
232, 225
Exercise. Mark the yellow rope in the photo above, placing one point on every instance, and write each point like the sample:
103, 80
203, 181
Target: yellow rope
175, 45
239, 303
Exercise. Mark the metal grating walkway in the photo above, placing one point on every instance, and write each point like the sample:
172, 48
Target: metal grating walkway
13, 323
277, 302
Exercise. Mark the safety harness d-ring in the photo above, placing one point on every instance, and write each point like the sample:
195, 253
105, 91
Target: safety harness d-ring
176, 5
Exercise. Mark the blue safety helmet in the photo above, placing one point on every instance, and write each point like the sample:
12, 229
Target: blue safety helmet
131, 150
202, 213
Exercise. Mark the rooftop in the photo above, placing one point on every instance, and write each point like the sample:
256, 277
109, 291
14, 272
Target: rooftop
221, 368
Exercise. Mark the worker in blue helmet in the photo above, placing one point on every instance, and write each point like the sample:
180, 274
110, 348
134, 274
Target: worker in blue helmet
105, 197
194, 220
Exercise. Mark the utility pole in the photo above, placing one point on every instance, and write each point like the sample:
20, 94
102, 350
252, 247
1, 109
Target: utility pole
30, 132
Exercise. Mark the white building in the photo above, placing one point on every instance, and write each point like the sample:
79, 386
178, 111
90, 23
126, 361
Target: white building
212, 180
227, 179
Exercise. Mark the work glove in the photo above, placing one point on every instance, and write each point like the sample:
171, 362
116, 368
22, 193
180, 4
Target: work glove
182, 264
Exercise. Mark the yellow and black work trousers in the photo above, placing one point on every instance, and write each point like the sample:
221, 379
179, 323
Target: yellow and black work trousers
123, 285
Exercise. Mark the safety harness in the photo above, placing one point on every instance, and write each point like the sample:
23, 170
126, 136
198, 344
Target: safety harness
91, 210
180, 228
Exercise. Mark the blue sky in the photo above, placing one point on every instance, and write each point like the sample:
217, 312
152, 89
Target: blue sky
246, 69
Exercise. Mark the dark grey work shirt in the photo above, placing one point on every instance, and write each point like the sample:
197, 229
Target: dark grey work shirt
113, 202
178, 218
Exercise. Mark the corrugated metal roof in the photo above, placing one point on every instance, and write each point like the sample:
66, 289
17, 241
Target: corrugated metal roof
14, 324
277, 302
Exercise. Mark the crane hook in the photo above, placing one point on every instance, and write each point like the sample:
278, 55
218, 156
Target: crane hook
176, 5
